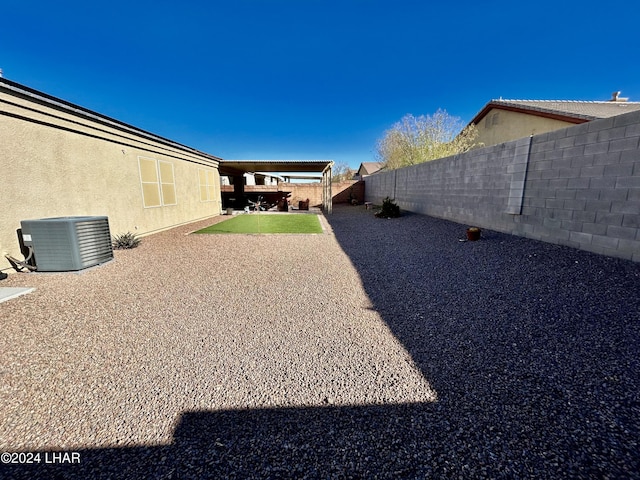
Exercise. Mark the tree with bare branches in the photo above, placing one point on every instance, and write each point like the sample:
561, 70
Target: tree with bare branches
341, 172
415, 140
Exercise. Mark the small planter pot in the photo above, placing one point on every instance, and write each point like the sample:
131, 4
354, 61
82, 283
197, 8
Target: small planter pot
473, 234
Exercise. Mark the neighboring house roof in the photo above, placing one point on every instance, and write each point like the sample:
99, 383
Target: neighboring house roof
567, 110
369, 168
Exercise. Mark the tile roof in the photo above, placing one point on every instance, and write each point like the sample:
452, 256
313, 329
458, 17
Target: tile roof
584, 109
569, 110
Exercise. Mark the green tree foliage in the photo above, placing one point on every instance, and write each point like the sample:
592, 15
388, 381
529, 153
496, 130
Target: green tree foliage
415, 140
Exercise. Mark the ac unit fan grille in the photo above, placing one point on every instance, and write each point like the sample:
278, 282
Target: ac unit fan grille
92, 246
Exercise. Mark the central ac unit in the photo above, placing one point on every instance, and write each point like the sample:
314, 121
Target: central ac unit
65, 244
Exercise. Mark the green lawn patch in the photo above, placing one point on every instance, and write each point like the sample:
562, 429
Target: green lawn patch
257, 223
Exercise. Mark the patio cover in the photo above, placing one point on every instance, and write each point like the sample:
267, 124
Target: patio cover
239, 167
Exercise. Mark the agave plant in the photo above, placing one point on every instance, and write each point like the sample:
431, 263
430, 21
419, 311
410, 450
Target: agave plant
125, 240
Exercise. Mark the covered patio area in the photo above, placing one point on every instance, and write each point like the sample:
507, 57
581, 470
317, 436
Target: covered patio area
240, 197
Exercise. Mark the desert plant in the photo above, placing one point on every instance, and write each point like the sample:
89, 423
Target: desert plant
353, 200
125, 240
389, 209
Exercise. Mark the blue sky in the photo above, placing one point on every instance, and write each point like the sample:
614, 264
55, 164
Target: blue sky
310, 79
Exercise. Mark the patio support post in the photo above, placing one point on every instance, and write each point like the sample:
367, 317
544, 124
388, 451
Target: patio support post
324, 192
238, 191
327, 197
329, 182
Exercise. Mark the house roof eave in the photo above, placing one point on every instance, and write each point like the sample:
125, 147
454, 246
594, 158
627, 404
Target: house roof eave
493, 105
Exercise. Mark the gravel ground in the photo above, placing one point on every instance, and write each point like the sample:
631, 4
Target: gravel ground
382, 349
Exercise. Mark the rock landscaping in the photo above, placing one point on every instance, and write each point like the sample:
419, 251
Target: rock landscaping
381, 349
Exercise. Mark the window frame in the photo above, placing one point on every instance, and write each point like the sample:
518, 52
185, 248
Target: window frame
159, 182
208, 186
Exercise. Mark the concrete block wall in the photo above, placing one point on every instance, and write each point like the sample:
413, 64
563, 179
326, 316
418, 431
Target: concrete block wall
583, 187
577, 186
470, 188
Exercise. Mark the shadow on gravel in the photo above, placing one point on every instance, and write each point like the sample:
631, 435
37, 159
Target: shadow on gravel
532, 348
316, 442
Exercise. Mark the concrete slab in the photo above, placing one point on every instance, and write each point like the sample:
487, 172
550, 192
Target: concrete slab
7, 293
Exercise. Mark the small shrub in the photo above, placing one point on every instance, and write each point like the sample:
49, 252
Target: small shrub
389, 209
125, 240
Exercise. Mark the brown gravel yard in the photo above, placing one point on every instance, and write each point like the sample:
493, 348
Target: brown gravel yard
361, 352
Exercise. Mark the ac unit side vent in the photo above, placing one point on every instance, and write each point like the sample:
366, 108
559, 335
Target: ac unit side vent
92, 245
68, 243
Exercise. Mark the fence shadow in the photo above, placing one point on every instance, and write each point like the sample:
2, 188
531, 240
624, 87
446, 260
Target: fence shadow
532, 347
386, 441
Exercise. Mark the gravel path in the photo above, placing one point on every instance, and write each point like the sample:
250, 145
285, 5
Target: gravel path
385, 348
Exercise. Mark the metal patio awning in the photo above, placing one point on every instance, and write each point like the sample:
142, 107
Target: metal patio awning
239, 167
244, 166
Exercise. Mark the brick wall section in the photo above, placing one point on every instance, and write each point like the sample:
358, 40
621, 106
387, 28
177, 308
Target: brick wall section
302, 191
251, 188
343, 191
578, 186
313, 191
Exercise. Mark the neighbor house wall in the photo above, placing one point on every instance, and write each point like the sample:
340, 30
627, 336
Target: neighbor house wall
61, 160
577, 186
500, 126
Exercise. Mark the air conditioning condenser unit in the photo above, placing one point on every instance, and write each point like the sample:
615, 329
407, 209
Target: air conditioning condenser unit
65, 244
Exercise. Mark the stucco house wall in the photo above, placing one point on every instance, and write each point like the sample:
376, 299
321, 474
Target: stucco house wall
58, 159
500, 126
506, 120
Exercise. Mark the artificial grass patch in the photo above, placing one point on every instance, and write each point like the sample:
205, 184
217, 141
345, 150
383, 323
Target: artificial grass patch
257, 223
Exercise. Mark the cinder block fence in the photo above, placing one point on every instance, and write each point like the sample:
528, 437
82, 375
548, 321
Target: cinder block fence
578, 186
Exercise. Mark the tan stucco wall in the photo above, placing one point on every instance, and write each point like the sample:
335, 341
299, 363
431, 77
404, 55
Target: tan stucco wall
77, 166
500, 126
